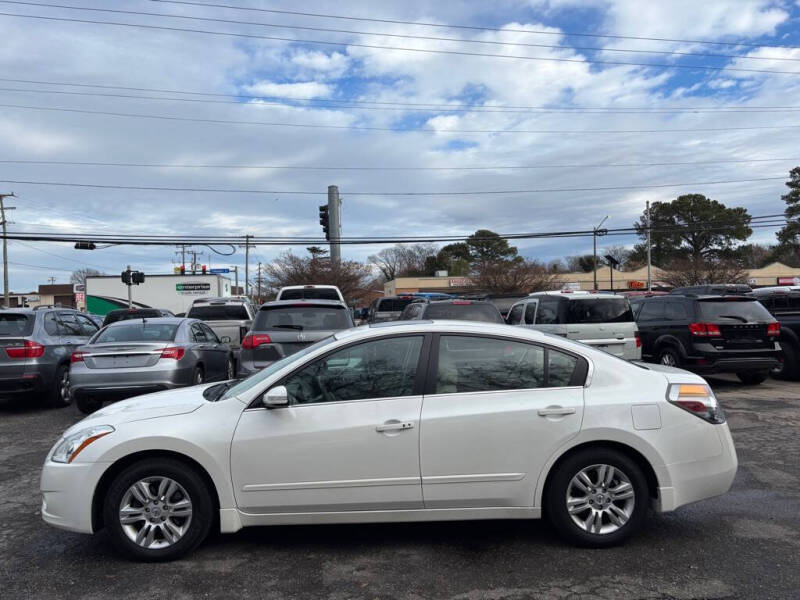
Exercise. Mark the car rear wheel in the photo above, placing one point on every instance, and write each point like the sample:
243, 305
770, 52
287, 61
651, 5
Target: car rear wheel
753, 378
597, 498
789, 367
60, 395
158, 510
198, 377
669, 357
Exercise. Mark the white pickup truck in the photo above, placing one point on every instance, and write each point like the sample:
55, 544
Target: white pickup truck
229, 317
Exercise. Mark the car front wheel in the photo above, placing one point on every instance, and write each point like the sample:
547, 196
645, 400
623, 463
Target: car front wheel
597, 498
158, 510
753, 378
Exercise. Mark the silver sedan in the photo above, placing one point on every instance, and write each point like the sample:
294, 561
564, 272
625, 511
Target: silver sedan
129, 358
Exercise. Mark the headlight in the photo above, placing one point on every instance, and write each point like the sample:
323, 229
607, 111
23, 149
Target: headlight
68, 448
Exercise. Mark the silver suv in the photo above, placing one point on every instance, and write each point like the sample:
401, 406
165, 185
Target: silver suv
602, 320
35, 350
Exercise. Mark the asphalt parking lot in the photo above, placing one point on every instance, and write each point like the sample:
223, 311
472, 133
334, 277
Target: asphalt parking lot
745, 544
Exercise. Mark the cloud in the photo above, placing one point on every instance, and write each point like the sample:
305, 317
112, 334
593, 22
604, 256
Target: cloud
300, 90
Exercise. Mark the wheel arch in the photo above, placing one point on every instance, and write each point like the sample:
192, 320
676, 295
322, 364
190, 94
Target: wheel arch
121, 464
669, 341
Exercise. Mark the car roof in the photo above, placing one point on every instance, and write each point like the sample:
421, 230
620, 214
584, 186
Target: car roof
575, 294
308, 287
216, 299
303, 302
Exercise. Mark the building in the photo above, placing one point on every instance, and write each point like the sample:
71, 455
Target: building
57, 294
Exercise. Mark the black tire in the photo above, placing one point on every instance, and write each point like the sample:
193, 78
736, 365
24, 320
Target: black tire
198, 377
198, 493
88, 405
669, 356
60, 395
753, 377
555, 502
789, 367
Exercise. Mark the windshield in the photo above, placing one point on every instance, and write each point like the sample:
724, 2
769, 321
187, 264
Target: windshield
744, 310
137, 332
302, 318
16, 324
487, 313
221, 312
267, 372
310, 294
599, 310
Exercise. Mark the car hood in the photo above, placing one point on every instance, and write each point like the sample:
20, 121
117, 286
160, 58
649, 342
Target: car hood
148, 406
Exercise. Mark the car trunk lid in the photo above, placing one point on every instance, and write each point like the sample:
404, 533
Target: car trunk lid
122, 355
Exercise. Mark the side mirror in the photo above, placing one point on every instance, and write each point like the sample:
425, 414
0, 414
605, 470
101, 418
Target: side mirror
277, 397
225, 339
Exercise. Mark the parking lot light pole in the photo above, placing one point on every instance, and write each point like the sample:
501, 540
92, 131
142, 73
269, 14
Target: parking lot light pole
597, 231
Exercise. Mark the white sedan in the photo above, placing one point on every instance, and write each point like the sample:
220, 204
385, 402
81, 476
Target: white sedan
422, 421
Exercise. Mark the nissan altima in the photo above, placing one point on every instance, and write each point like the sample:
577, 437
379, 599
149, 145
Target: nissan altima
414, 421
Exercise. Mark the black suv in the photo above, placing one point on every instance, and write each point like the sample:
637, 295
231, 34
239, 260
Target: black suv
784, 305
709, 334
460, 310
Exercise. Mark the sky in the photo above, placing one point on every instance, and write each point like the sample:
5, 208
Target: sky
376, 121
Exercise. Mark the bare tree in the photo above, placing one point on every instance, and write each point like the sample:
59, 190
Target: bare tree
290, 269
687, 271
403, 260
79, 276
513, 276
619, 253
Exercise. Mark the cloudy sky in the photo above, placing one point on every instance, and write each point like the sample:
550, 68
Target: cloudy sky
375, 121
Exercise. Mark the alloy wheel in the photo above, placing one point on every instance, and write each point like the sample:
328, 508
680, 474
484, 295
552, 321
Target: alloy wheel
155, 512
668, 359
63, 387
600, 499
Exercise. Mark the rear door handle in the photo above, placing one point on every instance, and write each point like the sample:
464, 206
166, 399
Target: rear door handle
556, 411
395, 426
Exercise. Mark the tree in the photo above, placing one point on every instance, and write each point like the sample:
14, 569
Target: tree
403, 260
754, 256
789, 235
453, 258
583, 263
290, 269
317, 253
693, 227
511, 276
79, 276
619, 253
487, 246
685, 271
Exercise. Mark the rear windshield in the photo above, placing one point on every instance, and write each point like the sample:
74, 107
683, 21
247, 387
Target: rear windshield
136, 314
599, 310
310, 294
302, 318
464, 312
744, 310
137, 332
392, 304
15, 324
220, 312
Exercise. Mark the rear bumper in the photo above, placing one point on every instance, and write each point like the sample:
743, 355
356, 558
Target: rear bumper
700, 479
116, 384
704, 358
28, 384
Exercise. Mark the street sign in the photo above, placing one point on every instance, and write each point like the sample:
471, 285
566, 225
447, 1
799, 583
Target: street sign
219, 271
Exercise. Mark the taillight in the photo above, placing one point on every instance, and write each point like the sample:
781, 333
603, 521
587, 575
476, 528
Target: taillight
705, 330
76, 357
638, 339
28, 349
174, 352
698, 399
254, 340
773, 329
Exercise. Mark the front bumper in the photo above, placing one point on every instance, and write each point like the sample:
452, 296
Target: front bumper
67, 493
700, 479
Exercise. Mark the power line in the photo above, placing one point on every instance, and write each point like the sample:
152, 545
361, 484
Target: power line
398, 48
393, 35
290, 102
387, 194
79, 262
362, 168
470, 27
394, 129
698, 108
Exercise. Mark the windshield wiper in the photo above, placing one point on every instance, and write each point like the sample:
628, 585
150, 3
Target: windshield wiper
295, 327
742, 319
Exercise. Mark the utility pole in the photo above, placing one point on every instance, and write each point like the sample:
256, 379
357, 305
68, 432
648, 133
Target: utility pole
335, 223
3, 210
595, 232
649, 280
51, 280
258, 279
247, 265
236, 278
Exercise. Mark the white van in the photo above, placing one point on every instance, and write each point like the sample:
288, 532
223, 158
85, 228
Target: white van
602, 320
310, 292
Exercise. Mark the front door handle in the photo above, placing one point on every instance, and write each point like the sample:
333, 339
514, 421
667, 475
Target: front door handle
555, 411
395, 426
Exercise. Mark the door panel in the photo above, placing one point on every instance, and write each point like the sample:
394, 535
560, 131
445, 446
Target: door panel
328, 457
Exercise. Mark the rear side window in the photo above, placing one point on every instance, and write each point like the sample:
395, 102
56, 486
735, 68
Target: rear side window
137, 332
51, 324
302, 318
548, 311
652, 311
70, 325
221, 312
743, 311
675, 311
599, 310
311, 294
487, 313
15, 324
391, 304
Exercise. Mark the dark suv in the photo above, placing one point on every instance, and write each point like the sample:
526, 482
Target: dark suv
709, 334
784, 305
460, 310
35, 350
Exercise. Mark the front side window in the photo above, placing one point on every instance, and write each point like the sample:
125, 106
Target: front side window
515, 315
88, 328
383, 368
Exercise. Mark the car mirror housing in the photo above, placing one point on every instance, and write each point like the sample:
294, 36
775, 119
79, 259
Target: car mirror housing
277, 397
225, 339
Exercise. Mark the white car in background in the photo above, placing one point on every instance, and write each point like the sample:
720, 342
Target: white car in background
423, 421
310, 292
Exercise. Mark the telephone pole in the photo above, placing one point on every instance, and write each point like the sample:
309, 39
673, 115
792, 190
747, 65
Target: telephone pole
258, 280
595, 232
649, 279
335, 223
247, 265
3, 210
236, 278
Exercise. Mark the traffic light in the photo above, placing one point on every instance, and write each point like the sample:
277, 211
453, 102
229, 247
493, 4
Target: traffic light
85, 246
137, 277
183, 269
126, 277
203, 269
323, 220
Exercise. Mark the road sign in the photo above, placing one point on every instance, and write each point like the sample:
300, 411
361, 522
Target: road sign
219, 271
